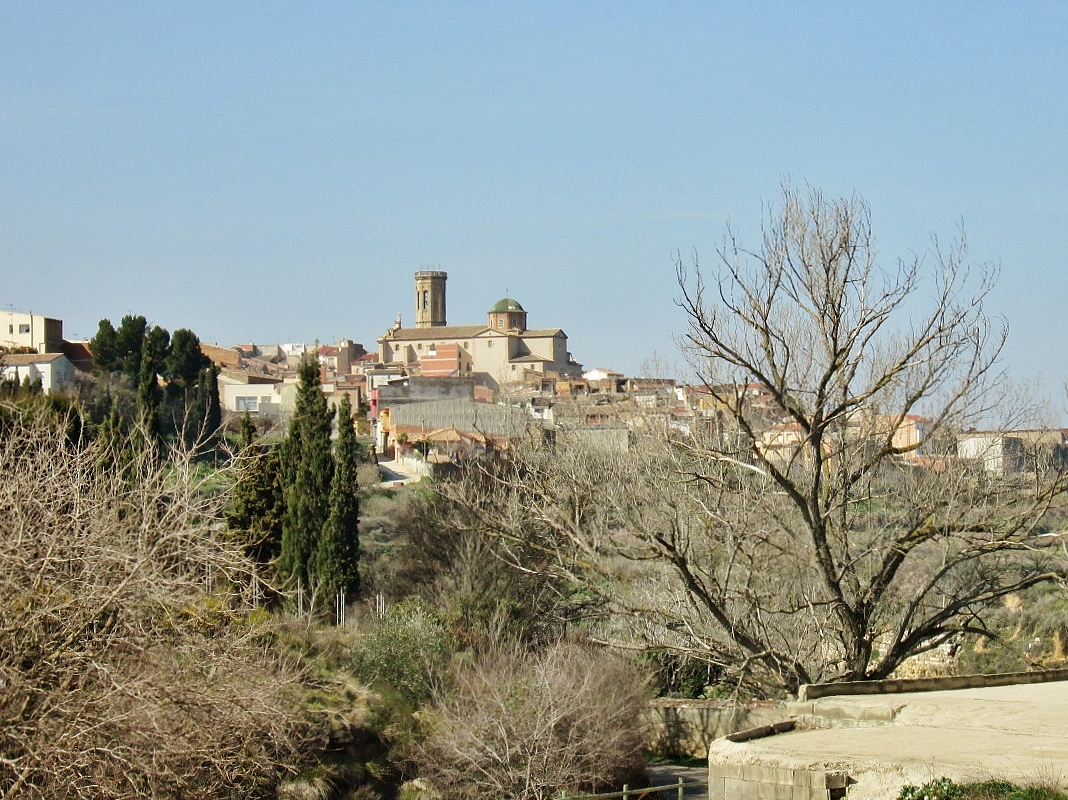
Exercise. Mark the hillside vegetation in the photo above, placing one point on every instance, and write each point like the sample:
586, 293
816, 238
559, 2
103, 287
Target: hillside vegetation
137, 658
132, 661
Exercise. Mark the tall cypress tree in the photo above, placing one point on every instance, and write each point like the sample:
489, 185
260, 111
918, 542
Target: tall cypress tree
337, 557
209, 379
202, 416
148, 392
247, 437
257, 507
307, 472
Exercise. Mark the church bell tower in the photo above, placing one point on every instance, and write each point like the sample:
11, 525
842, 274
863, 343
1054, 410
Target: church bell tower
430, 299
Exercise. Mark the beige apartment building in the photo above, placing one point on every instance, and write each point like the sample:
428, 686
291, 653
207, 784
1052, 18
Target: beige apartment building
41, 334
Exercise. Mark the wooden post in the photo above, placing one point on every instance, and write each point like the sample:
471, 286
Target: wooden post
681, 788
626, 792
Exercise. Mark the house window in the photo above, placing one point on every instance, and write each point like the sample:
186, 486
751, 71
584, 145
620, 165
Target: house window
489, 344
246, 404
419, 346
500, 322
24, 328
426, 300
513, 367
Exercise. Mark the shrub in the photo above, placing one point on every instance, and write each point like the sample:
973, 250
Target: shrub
940, 789
130, 662
946, 789
420, 543
406, 653
529, 725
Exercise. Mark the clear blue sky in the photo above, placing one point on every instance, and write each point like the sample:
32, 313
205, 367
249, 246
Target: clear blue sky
277, 171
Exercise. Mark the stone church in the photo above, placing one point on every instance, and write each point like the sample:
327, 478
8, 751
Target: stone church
501, 351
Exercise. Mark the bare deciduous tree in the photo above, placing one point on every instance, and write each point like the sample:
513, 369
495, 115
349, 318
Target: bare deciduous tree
817, 525
129, 664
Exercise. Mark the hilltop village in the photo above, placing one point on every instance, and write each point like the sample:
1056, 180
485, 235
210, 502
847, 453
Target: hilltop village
760, 540
439, 392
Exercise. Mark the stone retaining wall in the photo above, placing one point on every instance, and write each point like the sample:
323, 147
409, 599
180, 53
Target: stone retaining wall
735, 781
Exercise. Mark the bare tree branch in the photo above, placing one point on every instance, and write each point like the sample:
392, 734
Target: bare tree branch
819, 525
131, 661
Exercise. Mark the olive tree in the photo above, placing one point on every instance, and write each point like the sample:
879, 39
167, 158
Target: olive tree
817, 523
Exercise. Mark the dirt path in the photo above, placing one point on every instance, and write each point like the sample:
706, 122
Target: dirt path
663, 774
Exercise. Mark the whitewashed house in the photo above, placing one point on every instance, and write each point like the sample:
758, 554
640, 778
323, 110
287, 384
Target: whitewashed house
54, 370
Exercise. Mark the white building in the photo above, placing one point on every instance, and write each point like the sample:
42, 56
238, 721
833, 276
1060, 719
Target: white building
18, 330
999, 454
54, 370
257, 394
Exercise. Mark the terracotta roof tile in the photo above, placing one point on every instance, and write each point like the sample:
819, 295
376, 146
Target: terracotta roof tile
443, 332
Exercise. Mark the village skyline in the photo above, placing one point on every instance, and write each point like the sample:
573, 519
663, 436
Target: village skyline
277, 174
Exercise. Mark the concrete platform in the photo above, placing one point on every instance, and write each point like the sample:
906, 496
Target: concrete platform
871, 745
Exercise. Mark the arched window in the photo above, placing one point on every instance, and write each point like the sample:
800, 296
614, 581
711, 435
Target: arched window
426, 299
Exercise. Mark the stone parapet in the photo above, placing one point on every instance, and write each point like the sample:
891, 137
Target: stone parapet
813, 691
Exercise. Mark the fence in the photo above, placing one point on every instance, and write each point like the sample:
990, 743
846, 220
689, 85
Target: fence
645, 793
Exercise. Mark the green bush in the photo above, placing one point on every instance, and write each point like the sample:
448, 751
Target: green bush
939, 789
946, 789
406, 653
1028, 631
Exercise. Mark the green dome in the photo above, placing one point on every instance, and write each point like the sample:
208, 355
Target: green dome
507, 304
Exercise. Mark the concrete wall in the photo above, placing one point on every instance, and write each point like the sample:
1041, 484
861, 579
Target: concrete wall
407, 465
999, 454
419, 390
254, 396
464, 415
735, 781
687, 727
608, 437
896, 685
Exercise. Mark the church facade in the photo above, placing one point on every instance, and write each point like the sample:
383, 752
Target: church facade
499, 352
